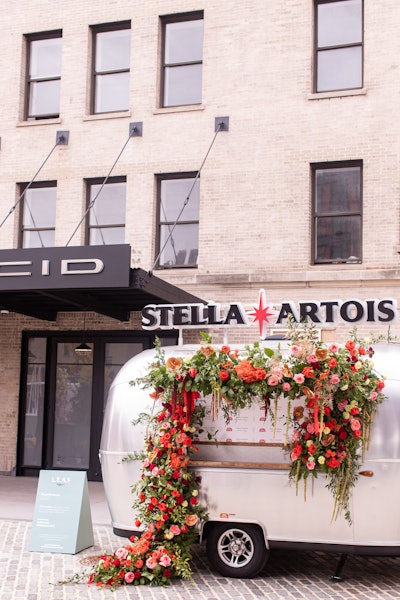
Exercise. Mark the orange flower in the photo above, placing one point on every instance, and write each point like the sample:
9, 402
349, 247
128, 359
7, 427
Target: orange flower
173, 364
191, 520
325, 374
246, 371
207, 350
321, 353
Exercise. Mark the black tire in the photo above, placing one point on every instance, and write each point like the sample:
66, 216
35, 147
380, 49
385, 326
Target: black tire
236, 549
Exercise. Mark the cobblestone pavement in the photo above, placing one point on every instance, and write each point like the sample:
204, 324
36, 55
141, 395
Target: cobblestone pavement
288, 575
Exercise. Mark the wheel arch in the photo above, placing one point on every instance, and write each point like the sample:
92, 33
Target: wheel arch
207, 525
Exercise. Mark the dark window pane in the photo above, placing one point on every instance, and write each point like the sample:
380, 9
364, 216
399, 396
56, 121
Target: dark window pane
117, 354
339, 23
73, 408
184, 42
173, 195
183, 85
182, 246
34, 411
45, 58
112, 92
113, 50
338, 190
340, 69
338, 239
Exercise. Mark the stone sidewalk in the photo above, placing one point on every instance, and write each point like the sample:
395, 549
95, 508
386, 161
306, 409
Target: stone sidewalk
288, 575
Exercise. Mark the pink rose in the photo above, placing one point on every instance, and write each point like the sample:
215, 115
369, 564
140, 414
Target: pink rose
373, 396
273, 380
296, 350
165, 560
310, 428
333, 348
310, 465
311, 358
129, 577
121, 553
286, 386
151, 562
355, 424
175, 530
155, 471
334, 379
299, 378
342, 405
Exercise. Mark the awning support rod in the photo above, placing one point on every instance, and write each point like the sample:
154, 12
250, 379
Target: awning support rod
61, 140
135, 130
221, 124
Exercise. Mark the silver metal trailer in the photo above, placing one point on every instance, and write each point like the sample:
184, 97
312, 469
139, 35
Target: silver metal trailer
252, 506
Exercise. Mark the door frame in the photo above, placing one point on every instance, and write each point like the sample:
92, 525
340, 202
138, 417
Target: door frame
99, 340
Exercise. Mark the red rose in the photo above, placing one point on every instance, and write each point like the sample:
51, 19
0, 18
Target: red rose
175, 475
116, 562
193, 501
342, 435
192, 372
167, 573
223, 375
357, 433
308, 372
137, 522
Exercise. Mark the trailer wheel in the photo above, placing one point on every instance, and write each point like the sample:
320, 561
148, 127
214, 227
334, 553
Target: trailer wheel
236, 550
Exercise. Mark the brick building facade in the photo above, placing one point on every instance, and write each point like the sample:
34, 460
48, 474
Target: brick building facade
298, 195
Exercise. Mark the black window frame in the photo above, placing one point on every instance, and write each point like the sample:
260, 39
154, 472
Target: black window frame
167, 20
95, 29
318, 50
315, 214
29, 38
165, 177
99, 181
24, 188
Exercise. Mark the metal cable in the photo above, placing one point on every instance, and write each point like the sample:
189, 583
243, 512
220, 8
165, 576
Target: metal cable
220, 125
28, 186
91, 204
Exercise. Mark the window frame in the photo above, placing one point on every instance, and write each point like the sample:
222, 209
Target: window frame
317, 50
167, 177
23, 188
94, 30
315, 215
29, 38
167, 20
89, 182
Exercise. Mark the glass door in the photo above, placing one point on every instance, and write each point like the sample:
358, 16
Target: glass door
73, 407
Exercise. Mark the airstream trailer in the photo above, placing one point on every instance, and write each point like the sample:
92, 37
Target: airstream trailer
252, 506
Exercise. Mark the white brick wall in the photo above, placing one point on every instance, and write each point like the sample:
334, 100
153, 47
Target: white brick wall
255, 222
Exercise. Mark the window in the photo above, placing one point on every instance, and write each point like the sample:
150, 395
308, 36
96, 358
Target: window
42, 100
339, 37
182, 61
111, 62
337, 212
38, 215
106, 217
178, 229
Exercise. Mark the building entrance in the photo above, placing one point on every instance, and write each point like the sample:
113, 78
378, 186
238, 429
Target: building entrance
63, 397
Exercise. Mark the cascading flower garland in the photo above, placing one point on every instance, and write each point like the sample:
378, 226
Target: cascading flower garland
339, 393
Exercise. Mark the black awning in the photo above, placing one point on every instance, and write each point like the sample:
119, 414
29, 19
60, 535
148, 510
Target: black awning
117, 302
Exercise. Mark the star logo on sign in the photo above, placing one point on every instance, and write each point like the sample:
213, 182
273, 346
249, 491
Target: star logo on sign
261, 314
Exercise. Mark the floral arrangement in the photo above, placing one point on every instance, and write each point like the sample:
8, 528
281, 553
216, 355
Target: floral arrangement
338, 392
338, 387
166, 504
